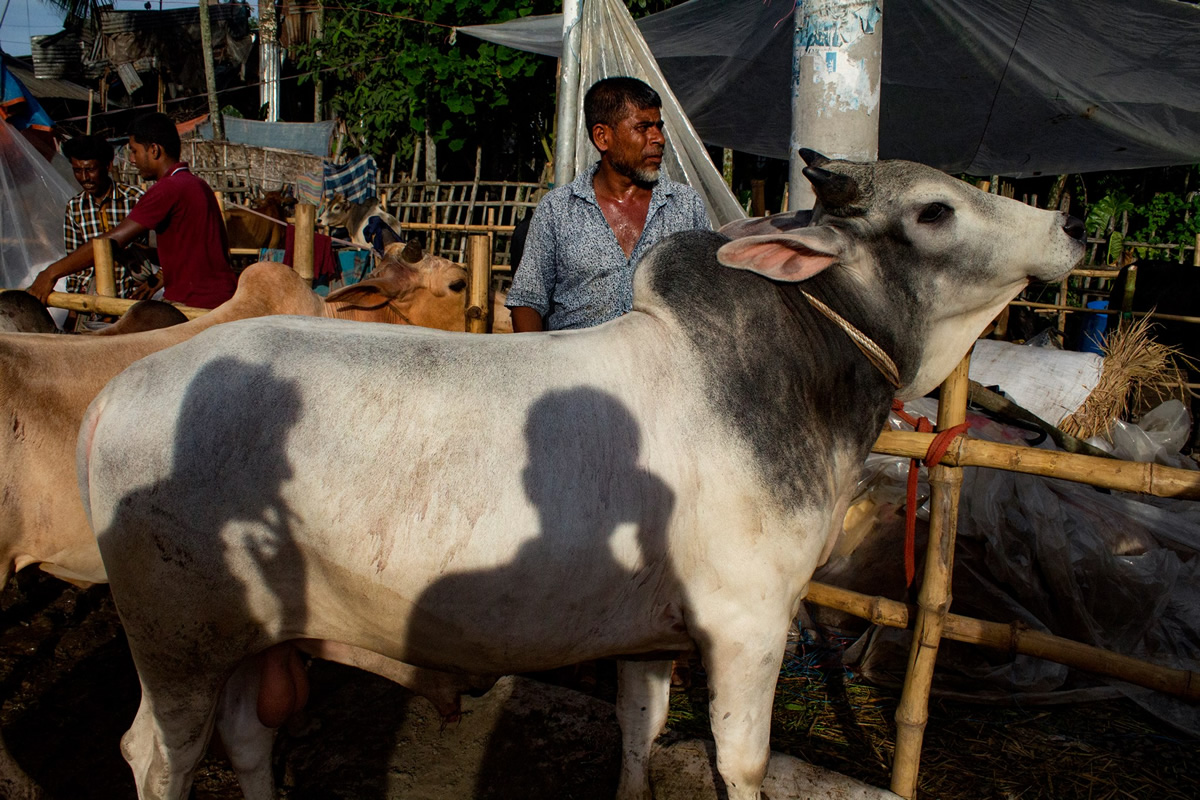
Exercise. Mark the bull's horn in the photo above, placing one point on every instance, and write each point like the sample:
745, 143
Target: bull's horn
812, 157
412, 251
833, 189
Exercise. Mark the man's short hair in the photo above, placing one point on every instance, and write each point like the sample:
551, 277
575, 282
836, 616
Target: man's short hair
88, 148
157, 129
606, 102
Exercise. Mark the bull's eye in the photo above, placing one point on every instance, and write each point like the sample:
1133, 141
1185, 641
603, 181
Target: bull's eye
458, 286
934, 212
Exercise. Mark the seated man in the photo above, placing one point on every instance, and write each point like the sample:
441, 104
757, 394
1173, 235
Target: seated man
101, 206
586, 238
181, 209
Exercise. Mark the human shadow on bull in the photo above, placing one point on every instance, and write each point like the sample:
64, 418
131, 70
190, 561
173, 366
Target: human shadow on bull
592, 578
221, 529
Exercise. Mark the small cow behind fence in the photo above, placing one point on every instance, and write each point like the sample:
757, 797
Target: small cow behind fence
368, 223
263, 225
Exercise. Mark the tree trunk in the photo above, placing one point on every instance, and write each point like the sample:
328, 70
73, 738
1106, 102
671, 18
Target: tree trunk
210, 75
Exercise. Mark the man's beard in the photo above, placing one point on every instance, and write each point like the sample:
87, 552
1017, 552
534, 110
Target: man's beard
643, 176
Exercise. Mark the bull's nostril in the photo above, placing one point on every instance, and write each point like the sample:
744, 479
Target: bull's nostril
1074, 228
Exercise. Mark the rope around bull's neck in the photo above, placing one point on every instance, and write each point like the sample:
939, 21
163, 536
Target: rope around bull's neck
874, 353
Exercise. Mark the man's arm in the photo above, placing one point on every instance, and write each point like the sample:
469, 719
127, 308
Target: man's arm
526, 320
81, 258
533, 284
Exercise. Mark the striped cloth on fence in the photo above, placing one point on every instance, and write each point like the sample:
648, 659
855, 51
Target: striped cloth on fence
354, 180
310, 186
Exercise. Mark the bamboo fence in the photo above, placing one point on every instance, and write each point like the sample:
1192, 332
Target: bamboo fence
932, 621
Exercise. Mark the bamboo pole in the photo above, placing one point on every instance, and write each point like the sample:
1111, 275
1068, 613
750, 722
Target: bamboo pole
934, 599
306, 218
91, 99
1106, 311
1016, 638
479, 267
448, 226
113, 306
1107, 473
102, 265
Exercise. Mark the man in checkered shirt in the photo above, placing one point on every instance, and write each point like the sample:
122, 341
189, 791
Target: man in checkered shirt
101, 206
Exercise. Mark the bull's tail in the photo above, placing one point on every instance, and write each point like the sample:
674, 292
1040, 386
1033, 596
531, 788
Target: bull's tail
83, 451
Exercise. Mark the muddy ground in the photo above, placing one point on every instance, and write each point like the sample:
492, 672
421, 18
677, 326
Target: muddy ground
69, 691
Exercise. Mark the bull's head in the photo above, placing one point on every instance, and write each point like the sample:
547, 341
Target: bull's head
337, 213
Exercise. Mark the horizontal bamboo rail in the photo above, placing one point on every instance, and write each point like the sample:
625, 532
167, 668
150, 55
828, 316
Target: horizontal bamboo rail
447, 226
1108, 311
114, 306
1125, 476
1015, 638
1095, 273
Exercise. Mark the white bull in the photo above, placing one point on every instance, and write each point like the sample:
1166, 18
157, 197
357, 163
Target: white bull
684, 469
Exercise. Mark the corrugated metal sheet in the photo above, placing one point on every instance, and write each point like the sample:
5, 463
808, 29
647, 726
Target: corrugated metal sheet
59, 55
114, 22
46, 87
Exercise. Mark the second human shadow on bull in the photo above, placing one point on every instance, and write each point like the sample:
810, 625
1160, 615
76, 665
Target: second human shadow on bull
596, 567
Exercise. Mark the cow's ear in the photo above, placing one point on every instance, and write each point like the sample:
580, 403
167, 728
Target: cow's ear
783, 257
368, 294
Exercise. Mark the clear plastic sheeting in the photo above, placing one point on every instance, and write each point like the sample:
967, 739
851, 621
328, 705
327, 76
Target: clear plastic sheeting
611, 45
33, 196
1011, 87
1113, 570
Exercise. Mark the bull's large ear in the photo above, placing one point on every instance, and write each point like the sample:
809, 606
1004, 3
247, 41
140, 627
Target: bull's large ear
368, 294
783, 257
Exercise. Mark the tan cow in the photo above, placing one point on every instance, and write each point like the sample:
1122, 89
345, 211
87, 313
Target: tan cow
266, 228
413, 285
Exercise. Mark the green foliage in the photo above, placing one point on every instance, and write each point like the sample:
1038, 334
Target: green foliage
391, 66
1152, 206
1103, 215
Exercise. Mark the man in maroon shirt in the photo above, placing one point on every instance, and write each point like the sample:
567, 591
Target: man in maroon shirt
181, 209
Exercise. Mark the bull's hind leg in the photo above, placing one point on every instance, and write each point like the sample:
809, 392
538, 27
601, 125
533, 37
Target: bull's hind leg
248, 742
643, 697
168, 738
742, 658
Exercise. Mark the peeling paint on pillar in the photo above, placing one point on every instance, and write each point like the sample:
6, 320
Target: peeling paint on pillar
836, 57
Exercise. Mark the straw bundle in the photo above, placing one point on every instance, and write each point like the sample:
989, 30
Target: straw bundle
1138, 372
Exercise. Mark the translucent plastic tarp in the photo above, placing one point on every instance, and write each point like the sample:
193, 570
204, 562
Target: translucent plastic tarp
1109, 569
33, 196
611, 45
1012, 87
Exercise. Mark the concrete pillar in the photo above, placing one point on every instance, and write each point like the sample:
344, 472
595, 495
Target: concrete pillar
269, 58
568, 95
836, 58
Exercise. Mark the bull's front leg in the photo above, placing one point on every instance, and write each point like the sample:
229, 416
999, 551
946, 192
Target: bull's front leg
742, 659
643, 697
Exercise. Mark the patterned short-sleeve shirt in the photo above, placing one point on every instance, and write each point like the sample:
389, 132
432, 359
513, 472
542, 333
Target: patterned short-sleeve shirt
86, 218
573, 271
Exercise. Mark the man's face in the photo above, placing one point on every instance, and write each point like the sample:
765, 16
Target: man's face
635, 144
92, 175
143, 157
